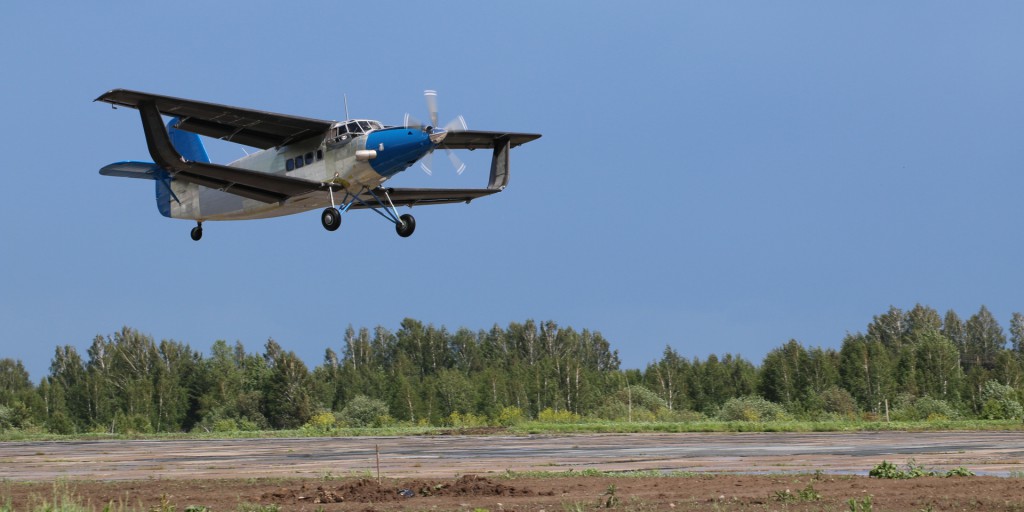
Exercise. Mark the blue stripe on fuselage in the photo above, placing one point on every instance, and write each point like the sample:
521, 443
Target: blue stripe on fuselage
402, 148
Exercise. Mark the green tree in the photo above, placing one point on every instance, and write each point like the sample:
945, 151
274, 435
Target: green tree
938, 371
889, 329
984, 339
784, 376
953, 330
865, 370
288, 400
1017, 333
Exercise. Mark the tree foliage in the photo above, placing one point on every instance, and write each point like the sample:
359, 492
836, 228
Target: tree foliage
920, 364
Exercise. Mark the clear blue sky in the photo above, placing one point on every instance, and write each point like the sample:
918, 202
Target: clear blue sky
716, 176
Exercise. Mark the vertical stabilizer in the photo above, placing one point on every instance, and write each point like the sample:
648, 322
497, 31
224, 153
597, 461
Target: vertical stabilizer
188, 144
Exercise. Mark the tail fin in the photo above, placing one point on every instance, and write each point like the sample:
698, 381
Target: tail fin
188, 144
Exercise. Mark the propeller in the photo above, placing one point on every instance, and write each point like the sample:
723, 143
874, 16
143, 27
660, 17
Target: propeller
455, 125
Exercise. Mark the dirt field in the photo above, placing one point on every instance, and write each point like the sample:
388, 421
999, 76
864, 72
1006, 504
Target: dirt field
762, 471
710, 492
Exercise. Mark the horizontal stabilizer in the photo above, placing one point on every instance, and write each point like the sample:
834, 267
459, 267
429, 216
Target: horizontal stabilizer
142, 170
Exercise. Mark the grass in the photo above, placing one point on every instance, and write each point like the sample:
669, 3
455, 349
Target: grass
581, 427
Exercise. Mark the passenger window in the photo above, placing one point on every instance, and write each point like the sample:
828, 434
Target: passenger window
289, 165
298, 161
319, 155
309, 158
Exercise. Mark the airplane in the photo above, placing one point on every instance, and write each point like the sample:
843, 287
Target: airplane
303, 164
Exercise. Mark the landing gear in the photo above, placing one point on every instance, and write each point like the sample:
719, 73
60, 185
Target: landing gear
197, 232
406, 225
330, 218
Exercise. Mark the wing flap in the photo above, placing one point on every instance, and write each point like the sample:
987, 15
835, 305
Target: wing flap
245, 126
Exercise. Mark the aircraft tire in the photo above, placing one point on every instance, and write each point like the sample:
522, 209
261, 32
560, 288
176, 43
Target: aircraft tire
407, 226
330, 218
197, 233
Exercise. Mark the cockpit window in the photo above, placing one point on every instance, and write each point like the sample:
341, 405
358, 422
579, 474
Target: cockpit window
353, 127
365, 126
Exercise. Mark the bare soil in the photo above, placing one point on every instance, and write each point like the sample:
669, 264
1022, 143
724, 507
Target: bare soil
469, 492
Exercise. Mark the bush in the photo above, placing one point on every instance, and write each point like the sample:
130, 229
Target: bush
363, 411
633, 403
925, 408
550, 415
751, 408
132, 424
509, 415
465, 420
998, 402
836, 400
320, 422
60, 423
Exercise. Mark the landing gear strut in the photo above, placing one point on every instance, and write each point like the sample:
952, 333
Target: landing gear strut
330, 218
197, 232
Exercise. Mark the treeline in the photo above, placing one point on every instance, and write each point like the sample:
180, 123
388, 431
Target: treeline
916, 364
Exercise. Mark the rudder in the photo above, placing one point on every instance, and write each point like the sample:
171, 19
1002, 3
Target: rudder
188, 144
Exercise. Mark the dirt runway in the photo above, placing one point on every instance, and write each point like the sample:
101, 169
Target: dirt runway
986, 453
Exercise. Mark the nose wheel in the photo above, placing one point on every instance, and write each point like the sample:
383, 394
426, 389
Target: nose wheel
197, 232
406, 225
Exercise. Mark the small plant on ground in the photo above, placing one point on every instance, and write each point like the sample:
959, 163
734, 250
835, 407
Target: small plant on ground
862, 505
806, 494
914, 470
959, 471
256, 507
886, 470
612, 500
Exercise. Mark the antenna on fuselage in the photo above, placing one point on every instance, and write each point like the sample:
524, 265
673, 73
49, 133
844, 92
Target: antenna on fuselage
346, 106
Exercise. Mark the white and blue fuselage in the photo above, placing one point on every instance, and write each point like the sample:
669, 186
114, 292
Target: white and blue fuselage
358, 155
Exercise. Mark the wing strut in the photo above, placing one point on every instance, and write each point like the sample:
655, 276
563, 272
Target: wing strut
267, 188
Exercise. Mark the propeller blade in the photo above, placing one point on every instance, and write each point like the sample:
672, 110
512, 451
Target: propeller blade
431, 97
456, 162
424, 164
412, 122
456, 125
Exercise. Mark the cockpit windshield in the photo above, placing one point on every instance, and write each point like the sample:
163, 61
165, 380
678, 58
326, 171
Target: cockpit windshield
359, 127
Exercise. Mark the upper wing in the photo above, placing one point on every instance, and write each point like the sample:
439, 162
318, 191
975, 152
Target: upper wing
244, 126
476, 139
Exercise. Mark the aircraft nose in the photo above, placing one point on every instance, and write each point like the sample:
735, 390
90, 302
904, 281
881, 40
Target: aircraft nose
402, 147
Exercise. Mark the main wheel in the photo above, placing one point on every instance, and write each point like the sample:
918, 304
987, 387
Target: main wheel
197, 233
330, 218
406, 226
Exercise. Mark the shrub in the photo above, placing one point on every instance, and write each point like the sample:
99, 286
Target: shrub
836, 400
751, 408
999, 402
320, 422
550, 415
635, 403
465, 420
509, 415
910, 408
132, 424
363, 411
